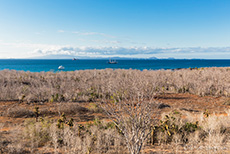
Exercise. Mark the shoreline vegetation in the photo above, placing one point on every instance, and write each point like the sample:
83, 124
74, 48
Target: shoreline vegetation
115, 111
86, 85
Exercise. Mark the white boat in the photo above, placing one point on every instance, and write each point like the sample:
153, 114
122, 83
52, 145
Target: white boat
112, 61
61, 67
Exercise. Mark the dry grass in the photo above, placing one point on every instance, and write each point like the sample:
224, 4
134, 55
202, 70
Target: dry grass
44, 136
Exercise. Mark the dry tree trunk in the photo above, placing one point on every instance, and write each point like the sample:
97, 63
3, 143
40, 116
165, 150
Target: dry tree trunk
133, 118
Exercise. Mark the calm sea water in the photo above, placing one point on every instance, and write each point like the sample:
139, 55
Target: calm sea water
70, 65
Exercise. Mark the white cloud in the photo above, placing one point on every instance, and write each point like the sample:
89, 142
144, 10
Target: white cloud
87, 33
61, 31
93, 33
107, 41
33, 49
27, 45
110, 51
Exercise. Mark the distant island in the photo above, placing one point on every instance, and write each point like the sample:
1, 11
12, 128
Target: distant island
104, 58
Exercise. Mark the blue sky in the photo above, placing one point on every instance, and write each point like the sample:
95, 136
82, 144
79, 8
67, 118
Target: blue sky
106, 28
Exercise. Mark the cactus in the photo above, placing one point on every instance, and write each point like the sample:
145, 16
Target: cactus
80, 127
206, 113
70, 123
171, 125
22, 99
36, 112
62, 121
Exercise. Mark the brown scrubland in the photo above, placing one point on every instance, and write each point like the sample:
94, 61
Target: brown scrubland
115, 111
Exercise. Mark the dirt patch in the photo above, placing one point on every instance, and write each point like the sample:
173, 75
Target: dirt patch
193, 103
82, 112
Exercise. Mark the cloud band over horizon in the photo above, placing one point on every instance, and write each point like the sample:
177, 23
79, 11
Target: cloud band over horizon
41, 50
126, 51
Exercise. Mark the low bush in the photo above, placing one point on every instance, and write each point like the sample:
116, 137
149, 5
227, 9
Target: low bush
93, 85
19, 112
98, 137
71, 108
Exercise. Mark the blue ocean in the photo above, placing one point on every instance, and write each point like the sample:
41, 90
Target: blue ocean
72, 65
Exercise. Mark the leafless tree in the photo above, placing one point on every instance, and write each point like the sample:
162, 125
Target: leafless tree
85, 85
133, 118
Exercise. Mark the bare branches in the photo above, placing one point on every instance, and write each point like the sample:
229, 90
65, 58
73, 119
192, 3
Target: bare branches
89, 85
133, 118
